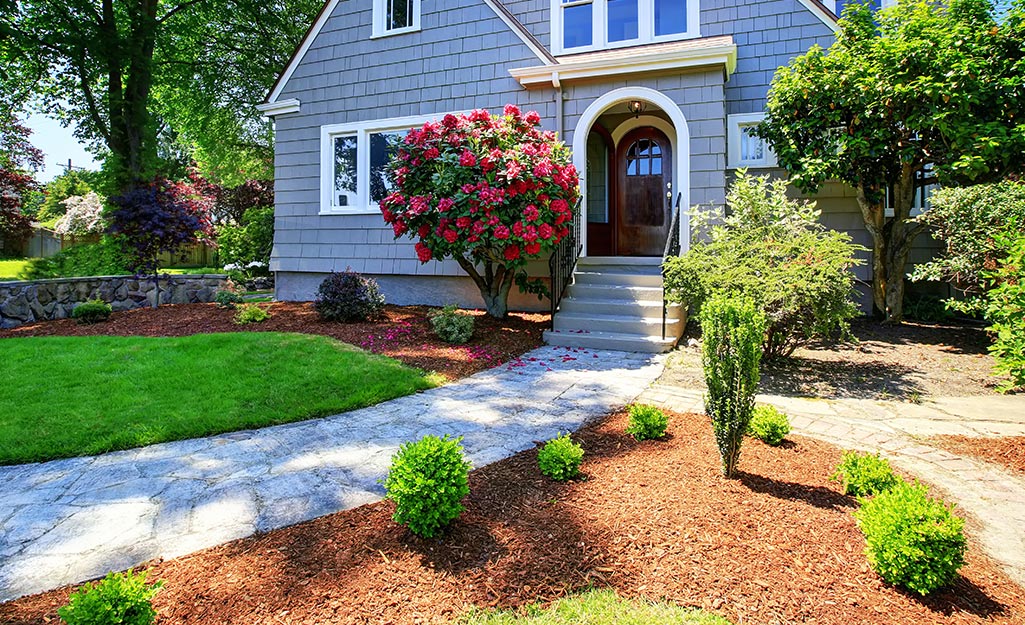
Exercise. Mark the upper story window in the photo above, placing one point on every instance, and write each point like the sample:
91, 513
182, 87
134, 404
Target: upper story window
394, 17
583, 25
875, 5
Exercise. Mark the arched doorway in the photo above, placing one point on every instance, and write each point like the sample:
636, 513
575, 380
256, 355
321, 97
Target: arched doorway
627, 212
644, 166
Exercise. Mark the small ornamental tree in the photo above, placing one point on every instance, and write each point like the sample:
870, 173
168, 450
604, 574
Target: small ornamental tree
491, 192
156, 218
918, 93
84, 215
18, 158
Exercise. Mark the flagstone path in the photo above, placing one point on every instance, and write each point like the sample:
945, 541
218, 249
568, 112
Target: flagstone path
67, 521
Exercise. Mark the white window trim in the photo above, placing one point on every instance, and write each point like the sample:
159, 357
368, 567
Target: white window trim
733, 125
380, 15
362, 132
600, 31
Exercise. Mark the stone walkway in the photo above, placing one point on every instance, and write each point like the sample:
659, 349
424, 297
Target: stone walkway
994, 496
71, 520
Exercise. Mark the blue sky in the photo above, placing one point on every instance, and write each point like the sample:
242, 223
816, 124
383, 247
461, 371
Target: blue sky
58, 145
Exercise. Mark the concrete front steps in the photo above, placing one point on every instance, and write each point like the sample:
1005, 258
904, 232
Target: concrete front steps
616, 303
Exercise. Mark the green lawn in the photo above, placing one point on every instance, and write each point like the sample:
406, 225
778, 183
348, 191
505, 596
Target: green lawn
191, 270
598, 607
73, 396
9, 269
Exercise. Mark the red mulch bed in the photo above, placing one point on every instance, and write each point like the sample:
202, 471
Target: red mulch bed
653, 519
403, 333
1008, 451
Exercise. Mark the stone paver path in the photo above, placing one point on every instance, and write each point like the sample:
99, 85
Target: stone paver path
993, 495
70, 520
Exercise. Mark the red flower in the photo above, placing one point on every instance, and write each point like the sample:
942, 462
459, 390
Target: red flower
511, 109
450, 235
545, 231
501, 233
533, 248
467, 159
532, 118
432, 153
444, 204
543, 168
560, 206
423, 230
518, 228
450, 121
530, 213
399, 227
512, 252
463, 222
423, 252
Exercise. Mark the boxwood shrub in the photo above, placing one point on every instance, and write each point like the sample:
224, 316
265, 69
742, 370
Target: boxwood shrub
646, 422
427, 481
119, 598
864, 474
92, 311
348, 296
912, 540
769, 425
560, 458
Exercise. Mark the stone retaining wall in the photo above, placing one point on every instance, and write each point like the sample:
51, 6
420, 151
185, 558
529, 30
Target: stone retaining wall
42, 300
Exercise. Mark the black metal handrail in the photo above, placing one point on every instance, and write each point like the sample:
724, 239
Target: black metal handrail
561, 265
672, 249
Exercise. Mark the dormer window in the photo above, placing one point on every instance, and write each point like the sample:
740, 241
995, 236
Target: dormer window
394, 17
584, 25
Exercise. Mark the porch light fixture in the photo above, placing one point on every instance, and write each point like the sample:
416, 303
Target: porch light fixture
636, 107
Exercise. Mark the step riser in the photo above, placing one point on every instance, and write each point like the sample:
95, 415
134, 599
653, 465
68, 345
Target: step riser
617, 279
597, 342
614, 293
631, 326
624, 308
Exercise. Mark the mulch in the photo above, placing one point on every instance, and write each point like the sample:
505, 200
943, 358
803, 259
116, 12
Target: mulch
653, 519
1008, 451
907, 362
403, 332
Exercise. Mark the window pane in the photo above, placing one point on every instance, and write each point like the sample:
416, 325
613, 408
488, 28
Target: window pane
597, 173
622, 20
345, 171
382, 146
670, 17
400, 14
577, 26
752, 148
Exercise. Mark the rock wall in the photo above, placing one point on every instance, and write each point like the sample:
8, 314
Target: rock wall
42, 300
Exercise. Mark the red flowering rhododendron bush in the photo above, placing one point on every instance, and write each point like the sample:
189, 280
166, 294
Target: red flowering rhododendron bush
492, 192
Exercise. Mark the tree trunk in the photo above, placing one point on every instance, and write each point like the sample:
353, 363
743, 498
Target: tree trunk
494, 285
891, 245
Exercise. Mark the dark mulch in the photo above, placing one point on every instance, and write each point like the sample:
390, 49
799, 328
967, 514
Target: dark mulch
404, 332
1008, 451
654, 519
908, 362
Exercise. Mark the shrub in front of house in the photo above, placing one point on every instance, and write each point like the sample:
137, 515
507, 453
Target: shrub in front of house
1005, 309
119, 598
427, 481
452, 326
228, 297
560, 458
774, 251
730, 355
251, 313
347, 296
646, 422
864, 474
92, 311
492, 192
912, 540
769, 425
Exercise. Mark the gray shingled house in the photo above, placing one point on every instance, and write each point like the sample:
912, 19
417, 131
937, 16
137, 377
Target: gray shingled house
655, 97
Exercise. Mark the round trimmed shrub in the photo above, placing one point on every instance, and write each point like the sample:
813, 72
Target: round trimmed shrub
452, 326
769, 425
427, 481
348, 296
912, 540
866, 474
251, 313
646, 422
92, 311
560, 458
122, 598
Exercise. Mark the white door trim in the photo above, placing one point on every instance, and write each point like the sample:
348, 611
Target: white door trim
680, 140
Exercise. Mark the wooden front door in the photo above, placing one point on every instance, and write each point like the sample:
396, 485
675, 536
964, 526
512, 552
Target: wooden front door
644, 165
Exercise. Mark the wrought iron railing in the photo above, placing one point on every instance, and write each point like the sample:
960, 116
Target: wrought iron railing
561, 264
672, 249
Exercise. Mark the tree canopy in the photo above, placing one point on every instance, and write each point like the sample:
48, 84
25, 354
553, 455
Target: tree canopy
138, 75
914, 94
